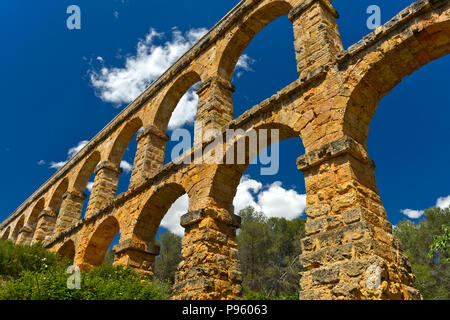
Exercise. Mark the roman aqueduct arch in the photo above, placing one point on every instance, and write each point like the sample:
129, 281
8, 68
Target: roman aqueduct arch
329, 107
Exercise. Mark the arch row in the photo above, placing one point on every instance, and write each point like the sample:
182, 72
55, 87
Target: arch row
153, 118
328, 107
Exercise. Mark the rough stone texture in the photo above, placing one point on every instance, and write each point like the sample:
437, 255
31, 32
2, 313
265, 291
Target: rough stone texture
349, 251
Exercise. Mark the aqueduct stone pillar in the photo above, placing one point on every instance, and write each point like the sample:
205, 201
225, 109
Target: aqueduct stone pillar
150, 154
317, 38
105, 186
25, 235
349, 251
210, 266
70, 211
215, 107
45, 225
138, 255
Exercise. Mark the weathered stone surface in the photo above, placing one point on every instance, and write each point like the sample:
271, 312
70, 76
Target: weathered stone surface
349, 251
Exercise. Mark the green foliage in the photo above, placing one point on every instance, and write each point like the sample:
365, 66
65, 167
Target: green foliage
109, 258
169, 258
440, 243
48, 281
268, 254
252, 295
432, 275
15, 259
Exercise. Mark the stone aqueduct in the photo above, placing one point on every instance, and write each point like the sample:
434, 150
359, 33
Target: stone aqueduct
329, 107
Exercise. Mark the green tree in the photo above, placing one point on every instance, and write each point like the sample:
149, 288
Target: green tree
440, 243
268, 254
432, 275
167, 261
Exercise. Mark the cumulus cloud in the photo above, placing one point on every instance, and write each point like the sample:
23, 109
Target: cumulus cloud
273, 200
72, 151
171, 220
123, 85
89, 186
413, 214
126, 167
443, 202
244, 64
153, 56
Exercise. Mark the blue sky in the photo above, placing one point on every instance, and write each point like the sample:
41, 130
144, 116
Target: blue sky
51, 104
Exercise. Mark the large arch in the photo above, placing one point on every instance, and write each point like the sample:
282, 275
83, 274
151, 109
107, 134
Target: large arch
383, 67
67, 250
57, 197
34, 215
100, 241
123, 139
85, 172
154, 210
257, 21
5, 235
180, 86
19, 225
231, 173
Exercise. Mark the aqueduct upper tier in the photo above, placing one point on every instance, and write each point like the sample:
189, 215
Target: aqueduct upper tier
349, 241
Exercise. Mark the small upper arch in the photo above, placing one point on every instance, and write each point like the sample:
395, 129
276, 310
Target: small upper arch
238, 39
123, 139
171, 98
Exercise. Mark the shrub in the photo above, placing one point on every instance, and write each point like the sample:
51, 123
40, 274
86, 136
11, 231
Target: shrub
33, 273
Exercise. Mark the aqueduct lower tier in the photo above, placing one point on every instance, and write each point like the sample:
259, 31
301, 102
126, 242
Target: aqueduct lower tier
349, 243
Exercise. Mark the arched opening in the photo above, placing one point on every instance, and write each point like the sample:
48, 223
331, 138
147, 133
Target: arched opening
5, 235
407, 117
178, 110
67, 250
57, 197
247, 31
124, 151
256, 66
84, 181
100, 241
17, 228
406, 139
271, 207
34, 215
159, 223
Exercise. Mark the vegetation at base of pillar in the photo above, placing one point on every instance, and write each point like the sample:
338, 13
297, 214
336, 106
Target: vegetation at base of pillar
169, 258
269, 250
33, 273
432, 272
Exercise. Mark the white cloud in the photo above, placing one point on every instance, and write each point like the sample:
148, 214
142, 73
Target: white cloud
185, 111
41, 162
171, 220
413, 214
123, 85
57, 165
89, 186
244, 64
126, 167
443, 202
274, 200
282, 203
245, 194
72, 151
116, 14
